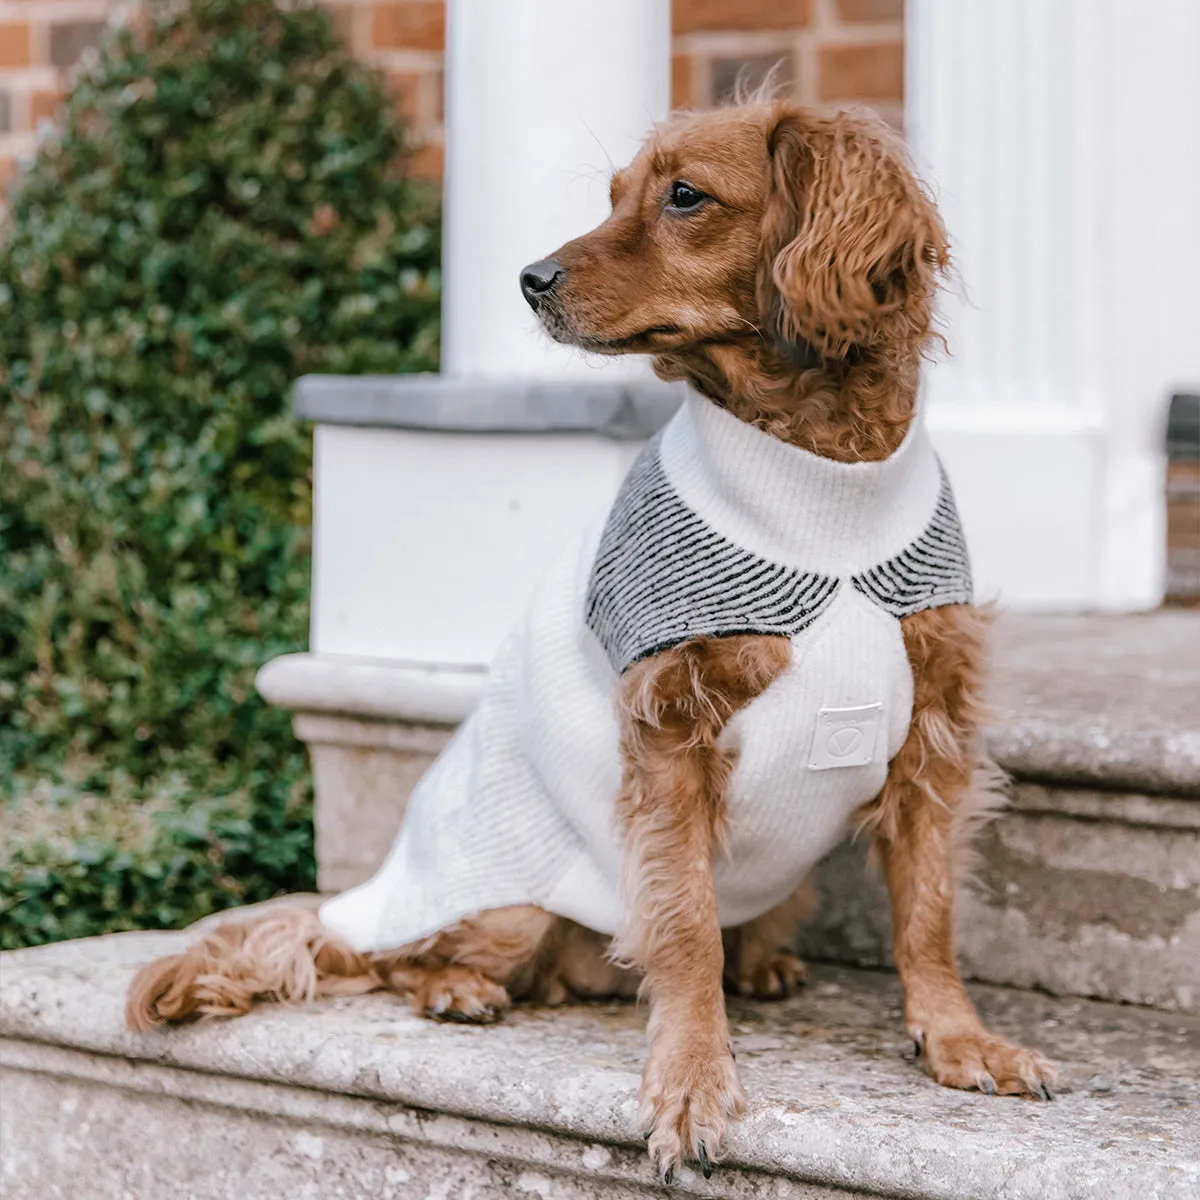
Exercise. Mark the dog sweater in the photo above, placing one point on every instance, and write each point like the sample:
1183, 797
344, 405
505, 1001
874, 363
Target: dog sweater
719, 529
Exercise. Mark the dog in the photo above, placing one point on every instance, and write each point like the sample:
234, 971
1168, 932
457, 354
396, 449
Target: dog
770, 640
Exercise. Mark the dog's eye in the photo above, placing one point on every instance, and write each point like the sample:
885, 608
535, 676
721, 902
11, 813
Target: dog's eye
684, 197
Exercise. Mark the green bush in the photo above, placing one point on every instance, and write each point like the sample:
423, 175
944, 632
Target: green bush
220, 213
78, 861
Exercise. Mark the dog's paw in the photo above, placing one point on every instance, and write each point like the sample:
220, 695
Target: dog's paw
772, 978
460, 995
689, 1093
979, 1060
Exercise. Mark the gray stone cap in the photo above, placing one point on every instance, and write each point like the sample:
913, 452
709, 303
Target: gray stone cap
1183, 427
378, 689
622, 410
832, 1100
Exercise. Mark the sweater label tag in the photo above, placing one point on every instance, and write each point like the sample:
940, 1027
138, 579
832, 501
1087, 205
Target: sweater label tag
845, 737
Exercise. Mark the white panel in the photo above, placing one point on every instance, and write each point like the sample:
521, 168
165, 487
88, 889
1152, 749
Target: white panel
1023, 485
427, 546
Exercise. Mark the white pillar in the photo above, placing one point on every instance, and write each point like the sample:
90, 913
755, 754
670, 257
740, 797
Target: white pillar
543, 99
1063, 140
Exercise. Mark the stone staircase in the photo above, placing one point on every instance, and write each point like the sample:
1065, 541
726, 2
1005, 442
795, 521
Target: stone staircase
1090, 882
1090, 887
358, 1098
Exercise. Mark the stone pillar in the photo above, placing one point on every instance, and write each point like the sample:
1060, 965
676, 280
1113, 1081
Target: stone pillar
543, 99
1063, 140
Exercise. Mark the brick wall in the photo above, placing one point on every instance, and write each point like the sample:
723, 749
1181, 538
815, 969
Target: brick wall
827, 50
834, 51
40, 40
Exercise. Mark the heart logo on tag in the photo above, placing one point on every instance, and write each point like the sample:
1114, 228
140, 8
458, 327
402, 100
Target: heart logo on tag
846, 737
844, 741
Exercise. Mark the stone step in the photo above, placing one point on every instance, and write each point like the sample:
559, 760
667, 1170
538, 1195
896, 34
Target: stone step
357, 1098
1089, 884
1108, 702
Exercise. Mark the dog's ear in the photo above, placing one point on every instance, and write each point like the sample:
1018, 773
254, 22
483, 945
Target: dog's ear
851, 244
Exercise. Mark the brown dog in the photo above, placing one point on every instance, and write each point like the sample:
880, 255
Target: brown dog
784, 262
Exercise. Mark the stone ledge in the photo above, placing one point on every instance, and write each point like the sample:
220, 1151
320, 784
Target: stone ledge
1089, 890
153, 1131
1099, 702
547, 1096
1119, 808
622, 410
377, 689
1074, 892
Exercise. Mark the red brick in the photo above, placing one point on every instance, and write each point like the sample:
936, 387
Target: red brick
746, 74
698, 16
681, 81
1183, 506
891, 112
439, 97
416, 25
427, 161
15, 44
861, 71
44, 104
870, 10
344, 18
70, 39
405, 87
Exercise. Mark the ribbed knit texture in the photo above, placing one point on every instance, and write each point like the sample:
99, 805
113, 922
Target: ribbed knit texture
933, 571
719, 529
662, 575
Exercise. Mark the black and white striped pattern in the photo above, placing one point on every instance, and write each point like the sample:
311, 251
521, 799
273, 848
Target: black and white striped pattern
934, 571
662, 576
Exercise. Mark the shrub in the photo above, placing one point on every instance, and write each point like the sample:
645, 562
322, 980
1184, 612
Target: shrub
220, 213
76, 861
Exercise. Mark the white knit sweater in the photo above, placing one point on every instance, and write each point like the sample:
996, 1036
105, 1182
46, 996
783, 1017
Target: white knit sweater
719, 529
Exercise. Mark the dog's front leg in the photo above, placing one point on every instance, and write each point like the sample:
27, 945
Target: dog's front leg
919, 825
673, 707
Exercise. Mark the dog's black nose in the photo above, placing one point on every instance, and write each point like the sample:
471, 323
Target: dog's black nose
539, 278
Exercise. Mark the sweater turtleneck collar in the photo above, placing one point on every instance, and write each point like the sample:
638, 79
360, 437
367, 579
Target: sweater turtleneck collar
795, 507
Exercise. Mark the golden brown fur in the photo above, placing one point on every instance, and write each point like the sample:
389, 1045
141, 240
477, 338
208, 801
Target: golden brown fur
799, 296
801, 299
673, 708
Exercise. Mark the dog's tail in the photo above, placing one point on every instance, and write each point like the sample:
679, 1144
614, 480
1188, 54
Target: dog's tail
285, 955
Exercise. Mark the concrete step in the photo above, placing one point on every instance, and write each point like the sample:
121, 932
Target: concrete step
358, 1098
1090, 883
1099, 701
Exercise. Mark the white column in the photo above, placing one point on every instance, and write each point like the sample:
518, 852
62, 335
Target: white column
429, 542
1063, 140
543, 99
